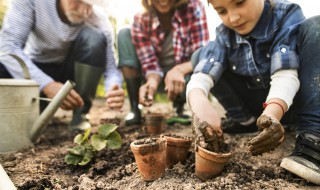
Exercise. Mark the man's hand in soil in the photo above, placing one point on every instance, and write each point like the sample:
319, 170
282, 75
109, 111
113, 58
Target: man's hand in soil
207, 136
174, 83
115, 97
271, 136
72, 101
147, 91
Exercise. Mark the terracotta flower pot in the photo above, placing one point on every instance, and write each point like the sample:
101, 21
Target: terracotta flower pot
177, 149
154, 123
209, 164
150, 156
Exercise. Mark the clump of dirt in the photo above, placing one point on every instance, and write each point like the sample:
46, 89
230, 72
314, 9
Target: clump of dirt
208, 138
146, 141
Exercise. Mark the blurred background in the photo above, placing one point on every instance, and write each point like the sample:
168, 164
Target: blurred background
122, 11
121, 14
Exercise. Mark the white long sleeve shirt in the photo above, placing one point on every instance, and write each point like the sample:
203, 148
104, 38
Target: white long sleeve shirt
284, 85
33, 30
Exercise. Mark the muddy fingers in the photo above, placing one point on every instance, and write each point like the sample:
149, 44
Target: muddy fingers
206, 136
270, 138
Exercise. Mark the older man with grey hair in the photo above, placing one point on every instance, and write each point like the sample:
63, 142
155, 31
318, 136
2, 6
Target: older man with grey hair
62, 40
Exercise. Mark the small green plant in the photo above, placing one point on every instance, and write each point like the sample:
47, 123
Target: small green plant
87, 146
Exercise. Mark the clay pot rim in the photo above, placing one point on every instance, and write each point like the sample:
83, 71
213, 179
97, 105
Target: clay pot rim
177, 141
178, 137
159, 141
206, 153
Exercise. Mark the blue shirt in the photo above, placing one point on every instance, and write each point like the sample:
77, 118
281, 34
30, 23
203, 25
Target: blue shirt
270, 47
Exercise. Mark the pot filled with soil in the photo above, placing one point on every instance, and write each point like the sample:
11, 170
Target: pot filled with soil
210, 164
212, 153
150, 156
177, 149
154, 123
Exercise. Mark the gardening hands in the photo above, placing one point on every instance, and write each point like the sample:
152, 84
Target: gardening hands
73, 99
115, 97
207, 136
271, 136
147, 91
206, 122
174, 82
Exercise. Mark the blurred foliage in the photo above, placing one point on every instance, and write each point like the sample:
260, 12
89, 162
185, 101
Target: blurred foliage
100, 89
3, 8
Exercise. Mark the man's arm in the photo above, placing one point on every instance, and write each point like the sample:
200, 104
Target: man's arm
18, 24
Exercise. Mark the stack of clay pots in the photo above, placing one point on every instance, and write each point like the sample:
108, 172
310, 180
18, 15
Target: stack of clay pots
153, 155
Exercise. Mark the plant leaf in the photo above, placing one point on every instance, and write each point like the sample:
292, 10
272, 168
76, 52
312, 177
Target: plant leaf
89, 154
78, 139
114, 140
98, 143
106, 129
72, 158
77, 150
84, 161
81, 138
86, 134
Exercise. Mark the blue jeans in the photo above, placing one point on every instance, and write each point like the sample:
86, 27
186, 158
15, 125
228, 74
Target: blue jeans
88, 48
242, 97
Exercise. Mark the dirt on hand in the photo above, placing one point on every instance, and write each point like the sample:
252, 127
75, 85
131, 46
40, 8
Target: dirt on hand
207, 138
272, 135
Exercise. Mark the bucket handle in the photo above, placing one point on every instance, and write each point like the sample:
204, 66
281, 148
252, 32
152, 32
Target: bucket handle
25, 69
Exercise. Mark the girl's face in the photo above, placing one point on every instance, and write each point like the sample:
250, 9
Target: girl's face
163, 6
239, 15
76, 11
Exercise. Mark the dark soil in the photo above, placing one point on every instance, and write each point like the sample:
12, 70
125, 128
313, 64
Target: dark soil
145, 141
42, 166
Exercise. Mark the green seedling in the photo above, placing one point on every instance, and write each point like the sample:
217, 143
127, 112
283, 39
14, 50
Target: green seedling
88, 146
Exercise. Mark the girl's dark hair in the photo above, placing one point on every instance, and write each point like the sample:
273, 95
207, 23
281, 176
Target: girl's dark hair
147, 4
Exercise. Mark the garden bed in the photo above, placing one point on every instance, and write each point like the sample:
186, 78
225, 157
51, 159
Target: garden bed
42, 166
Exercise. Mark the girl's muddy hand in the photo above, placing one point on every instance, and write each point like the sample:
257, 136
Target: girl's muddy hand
270, 138
206, 136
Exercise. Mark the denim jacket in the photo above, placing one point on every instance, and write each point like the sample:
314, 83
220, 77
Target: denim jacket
270, 47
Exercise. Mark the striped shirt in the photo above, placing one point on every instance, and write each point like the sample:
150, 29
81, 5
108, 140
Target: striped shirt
34, 31
190, 31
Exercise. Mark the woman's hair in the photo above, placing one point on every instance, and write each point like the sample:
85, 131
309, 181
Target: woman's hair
147, 4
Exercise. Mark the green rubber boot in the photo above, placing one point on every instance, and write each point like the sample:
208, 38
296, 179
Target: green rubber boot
86, 78
134, 117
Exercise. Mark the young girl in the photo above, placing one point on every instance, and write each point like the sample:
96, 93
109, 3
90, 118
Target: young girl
263, 52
